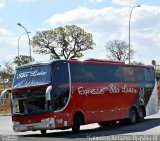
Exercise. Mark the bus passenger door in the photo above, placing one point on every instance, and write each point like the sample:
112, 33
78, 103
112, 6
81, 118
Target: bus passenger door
60, 92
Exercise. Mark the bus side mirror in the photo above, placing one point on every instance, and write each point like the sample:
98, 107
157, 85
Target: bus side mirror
48, 93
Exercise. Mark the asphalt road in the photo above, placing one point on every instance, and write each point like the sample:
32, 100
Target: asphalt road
149, 129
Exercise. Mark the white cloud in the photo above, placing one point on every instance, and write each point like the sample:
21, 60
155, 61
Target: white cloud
112, 23
102, 23
2, 3
96, 1
4, 32
97, 20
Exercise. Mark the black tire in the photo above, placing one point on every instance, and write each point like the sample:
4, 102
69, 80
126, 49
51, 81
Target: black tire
43, 132
141, 115
77, 121
76, 128
132, 116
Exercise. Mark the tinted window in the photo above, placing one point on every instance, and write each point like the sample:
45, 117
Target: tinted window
139, 75
60, 90
77, 72
118, 72
147, 75
95, 72
60, 73
129, 74
91, 72
152, 74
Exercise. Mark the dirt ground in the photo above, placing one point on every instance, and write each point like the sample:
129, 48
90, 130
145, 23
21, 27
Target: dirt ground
5, 109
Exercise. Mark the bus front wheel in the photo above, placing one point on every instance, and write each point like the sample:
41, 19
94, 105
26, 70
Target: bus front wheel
77, 122
76, 128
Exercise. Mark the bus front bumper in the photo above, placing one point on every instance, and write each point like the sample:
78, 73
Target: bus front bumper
44, 124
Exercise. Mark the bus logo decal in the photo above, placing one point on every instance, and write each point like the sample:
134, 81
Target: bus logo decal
112, 89
31, 73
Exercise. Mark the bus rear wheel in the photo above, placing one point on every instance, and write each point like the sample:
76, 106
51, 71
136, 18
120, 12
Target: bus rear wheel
141, 115
43, 132
132, 116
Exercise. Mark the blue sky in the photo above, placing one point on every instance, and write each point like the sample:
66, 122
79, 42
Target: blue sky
105, 19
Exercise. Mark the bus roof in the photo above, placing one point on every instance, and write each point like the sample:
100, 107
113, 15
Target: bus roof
37, 63
98, 60
92, 60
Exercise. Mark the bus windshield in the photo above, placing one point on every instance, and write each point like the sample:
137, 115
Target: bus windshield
32, 76
51, 97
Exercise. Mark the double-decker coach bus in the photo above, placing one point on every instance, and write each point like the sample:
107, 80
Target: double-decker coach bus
69, 93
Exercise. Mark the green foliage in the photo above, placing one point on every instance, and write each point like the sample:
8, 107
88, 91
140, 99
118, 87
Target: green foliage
63, 42
22, 59
6, 71
118, 50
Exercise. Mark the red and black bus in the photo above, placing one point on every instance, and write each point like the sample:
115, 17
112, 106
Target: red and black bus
64, 94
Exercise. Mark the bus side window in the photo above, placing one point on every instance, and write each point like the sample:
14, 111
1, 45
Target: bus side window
152, 74
77, 72
60, 74
95, 72
89, 76
139, 75
147, 75
90, 72
119, 74
129, 74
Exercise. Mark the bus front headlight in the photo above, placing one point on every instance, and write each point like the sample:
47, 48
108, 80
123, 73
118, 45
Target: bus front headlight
15, 123
45, 119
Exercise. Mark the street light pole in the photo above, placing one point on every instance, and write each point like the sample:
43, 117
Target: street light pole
19, 39
129, 32
19, 24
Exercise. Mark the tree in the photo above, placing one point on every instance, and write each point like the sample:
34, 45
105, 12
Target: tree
63, 42
137, 63
8, 68
118, 50
6, 71
22, 59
